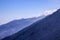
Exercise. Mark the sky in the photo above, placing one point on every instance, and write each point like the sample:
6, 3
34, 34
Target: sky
17, 9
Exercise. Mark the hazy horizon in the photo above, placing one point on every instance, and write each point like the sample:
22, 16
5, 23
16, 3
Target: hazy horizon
17, 9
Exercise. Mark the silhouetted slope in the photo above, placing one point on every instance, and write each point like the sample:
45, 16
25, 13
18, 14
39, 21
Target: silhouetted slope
46, 29
16, 25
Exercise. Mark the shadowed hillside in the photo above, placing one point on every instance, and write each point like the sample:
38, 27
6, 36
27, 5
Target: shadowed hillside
16, 25
46, 29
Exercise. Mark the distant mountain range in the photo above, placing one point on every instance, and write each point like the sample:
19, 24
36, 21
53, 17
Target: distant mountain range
45, 29
16, 25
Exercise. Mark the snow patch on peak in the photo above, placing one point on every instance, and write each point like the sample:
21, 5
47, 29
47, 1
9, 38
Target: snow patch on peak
49, 12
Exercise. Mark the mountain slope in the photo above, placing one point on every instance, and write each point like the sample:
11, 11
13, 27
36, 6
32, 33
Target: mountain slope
46, 29
16, 25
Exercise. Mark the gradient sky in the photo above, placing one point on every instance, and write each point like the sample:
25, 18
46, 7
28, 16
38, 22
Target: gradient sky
16, 9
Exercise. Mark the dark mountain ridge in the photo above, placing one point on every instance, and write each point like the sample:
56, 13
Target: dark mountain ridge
45, 29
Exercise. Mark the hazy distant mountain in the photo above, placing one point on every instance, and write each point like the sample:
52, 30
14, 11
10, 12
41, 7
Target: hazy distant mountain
45, 29
16, 25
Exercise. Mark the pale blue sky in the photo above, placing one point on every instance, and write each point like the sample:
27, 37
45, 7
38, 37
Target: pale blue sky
15, 9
